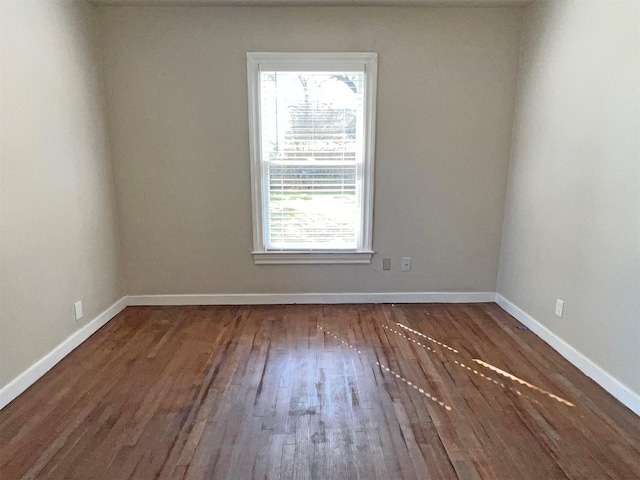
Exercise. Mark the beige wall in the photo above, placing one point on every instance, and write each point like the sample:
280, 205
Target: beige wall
58, 239
572, 223
177, 106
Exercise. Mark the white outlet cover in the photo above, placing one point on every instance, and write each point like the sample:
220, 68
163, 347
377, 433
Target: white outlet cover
559, 307
406, 264
78, 309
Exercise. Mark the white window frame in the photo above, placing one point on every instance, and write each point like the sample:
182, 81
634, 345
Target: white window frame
362, 61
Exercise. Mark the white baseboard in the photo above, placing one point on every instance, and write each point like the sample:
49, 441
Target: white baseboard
311, 298
620, 391
42, 366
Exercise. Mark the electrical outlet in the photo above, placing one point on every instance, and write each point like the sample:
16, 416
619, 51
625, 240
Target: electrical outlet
559, 307
386, 264
406, 264
78, 309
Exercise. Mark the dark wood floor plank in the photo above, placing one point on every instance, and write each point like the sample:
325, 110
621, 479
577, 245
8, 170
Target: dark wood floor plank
317, 392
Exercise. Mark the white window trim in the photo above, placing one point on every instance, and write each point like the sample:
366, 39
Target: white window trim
312, 61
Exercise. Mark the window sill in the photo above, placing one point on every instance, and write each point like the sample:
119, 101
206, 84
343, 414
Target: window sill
274, 258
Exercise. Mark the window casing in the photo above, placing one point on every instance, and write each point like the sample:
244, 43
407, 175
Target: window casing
311, 122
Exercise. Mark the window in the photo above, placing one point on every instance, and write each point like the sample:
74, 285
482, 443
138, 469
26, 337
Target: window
312, 119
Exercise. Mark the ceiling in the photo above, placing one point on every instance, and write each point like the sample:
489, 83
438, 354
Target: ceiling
323, 3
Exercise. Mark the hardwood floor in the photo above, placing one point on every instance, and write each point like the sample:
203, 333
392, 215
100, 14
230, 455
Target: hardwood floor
317, 392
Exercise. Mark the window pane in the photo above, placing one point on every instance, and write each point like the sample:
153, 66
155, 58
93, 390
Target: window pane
311, 139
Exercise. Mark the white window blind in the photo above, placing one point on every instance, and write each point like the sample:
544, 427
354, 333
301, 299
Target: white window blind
312, 144
312, 152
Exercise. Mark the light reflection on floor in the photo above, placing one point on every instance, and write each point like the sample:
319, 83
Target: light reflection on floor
396, 374
448, 348
522, 382
462, 365
427, 337
489, 366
